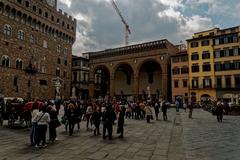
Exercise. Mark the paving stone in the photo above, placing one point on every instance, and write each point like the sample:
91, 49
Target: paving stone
200, 138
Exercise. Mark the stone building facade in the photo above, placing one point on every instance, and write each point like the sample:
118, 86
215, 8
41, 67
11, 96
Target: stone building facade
180, 82
133, 71
80, 74
35, 48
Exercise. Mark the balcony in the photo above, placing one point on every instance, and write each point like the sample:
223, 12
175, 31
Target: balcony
233, 88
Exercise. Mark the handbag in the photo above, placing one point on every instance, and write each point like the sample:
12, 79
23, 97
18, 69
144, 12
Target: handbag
55, 123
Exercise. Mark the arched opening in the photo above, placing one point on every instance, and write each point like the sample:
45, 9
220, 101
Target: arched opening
7, 10
150, 80
13, 13
29, 21
101, 81
24, 18
205, 97
38, 26
19, 15
34, 23
123, 81
1, 7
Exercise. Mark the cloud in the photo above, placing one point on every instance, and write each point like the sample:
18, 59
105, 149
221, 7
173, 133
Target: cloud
194, 24
66, 2
99, 27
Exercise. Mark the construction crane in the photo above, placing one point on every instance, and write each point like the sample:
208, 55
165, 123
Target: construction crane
127, 29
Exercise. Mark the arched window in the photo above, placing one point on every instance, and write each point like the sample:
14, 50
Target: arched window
7, 30
19, 64
46, 14
40, 11
21, 35
58, 49
27, 4
5, 61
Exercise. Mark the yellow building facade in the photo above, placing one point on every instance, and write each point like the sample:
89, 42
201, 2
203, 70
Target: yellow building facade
214, 65
201, 66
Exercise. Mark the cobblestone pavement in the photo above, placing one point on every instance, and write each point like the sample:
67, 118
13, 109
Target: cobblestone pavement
179, 138
206, 139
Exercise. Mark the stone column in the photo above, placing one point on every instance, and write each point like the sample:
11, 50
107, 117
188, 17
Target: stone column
135, 85
112, 85
91, 88
165, 83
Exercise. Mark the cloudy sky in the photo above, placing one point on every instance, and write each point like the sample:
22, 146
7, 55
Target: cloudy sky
99, 27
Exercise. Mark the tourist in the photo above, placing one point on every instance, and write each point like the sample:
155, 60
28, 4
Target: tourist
219, 111
190, 107
96, 119
156, 109
121, 121
142, 110
164, 110
128, 110
89, 112
78, 115
148, 112
34, 133
71, 116
42, 118
54, 123
177, 105
133, 106
108, 119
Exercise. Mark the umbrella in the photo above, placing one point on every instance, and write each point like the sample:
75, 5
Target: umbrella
28, 106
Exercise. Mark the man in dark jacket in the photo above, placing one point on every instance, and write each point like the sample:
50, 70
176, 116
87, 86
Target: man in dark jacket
121, 121
164, 110
96, 118
219, 112
108, 119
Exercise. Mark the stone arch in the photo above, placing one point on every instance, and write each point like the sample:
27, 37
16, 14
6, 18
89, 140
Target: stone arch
53, 32
7, 10
150, 78
46, 29
5, 61
144, 61
7, 30
19, 63
1, 7
205, 97
29, 20
24, 18
123, 80
101, 78
13, 13
43, 28
50, 30
19, 15
38, 26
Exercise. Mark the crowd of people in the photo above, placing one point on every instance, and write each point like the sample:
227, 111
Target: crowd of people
94, 113
45, 116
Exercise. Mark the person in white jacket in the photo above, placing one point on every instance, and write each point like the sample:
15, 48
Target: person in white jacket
42, 119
